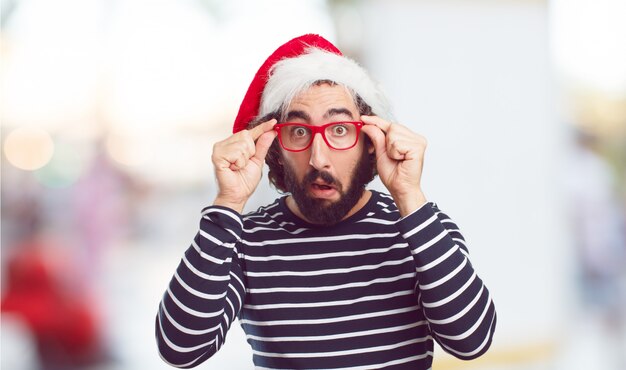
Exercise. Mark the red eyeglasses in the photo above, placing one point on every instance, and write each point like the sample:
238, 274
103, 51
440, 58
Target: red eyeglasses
296, 137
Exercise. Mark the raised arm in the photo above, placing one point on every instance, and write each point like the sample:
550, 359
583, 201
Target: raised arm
456, 303
207, 290
205, 294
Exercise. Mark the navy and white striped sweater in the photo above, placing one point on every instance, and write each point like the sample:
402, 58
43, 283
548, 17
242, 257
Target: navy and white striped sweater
371, 292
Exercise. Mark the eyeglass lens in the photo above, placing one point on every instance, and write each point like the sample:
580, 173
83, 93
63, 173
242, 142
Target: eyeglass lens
340, 135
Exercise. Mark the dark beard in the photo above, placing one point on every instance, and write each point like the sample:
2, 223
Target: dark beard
322, 211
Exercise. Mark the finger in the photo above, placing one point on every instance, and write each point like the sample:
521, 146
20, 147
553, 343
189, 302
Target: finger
263, 144
239, 163
377, 136
233, 154
376, 121
398, 151
262, 128
240, 143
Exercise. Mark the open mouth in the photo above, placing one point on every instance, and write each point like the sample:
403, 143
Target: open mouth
322, 186
323, 190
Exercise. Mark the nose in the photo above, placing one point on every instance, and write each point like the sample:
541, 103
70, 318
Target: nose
319, 153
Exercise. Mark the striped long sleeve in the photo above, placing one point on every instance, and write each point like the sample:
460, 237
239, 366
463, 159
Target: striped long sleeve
205, 294
456, 303
370, 292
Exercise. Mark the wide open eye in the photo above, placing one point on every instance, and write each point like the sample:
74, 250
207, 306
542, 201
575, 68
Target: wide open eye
300, 132
339, 130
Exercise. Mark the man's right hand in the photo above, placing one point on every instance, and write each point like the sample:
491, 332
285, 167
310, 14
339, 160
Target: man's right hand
238, 163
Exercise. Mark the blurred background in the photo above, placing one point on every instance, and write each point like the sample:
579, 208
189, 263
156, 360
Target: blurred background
109, 110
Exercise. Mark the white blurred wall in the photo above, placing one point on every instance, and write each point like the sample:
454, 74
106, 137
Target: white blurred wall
474, 78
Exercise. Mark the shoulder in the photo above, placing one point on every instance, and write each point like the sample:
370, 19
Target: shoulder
264, 214
382, 206
383, 201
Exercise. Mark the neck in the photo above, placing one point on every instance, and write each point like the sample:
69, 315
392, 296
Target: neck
365, 197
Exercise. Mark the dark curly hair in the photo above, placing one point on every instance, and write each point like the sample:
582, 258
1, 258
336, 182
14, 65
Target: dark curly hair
274, 155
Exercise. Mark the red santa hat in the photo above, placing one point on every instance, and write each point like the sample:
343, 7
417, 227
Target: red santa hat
295, 66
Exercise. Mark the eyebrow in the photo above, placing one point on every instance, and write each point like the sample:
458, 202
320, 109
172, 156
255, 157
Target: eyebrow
330, 113
298, 114
338, 111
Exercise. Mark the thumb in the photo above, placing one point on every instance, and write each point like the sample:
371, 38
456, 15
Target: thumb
263, 145
378, 138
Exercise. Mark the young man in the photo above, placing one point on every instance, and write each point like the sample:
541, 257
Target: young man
331, 275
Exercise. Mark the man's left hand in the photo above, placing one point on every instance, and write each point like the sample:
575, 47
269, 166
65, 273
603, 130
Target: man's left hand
399, 161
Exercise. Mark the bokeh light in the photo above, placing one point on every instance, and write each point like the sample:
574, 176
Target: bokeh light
68, 163
128, 150
28, 148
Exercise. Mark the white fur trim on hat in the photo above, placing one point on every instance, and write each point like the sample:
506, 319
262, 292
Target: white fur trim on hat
291, 76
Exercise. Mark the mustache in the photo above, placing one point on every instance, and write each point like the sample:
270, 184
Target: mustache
324, 175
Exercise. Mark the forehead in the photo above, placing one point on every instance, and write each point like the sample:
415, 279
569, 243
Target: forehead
318, 99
